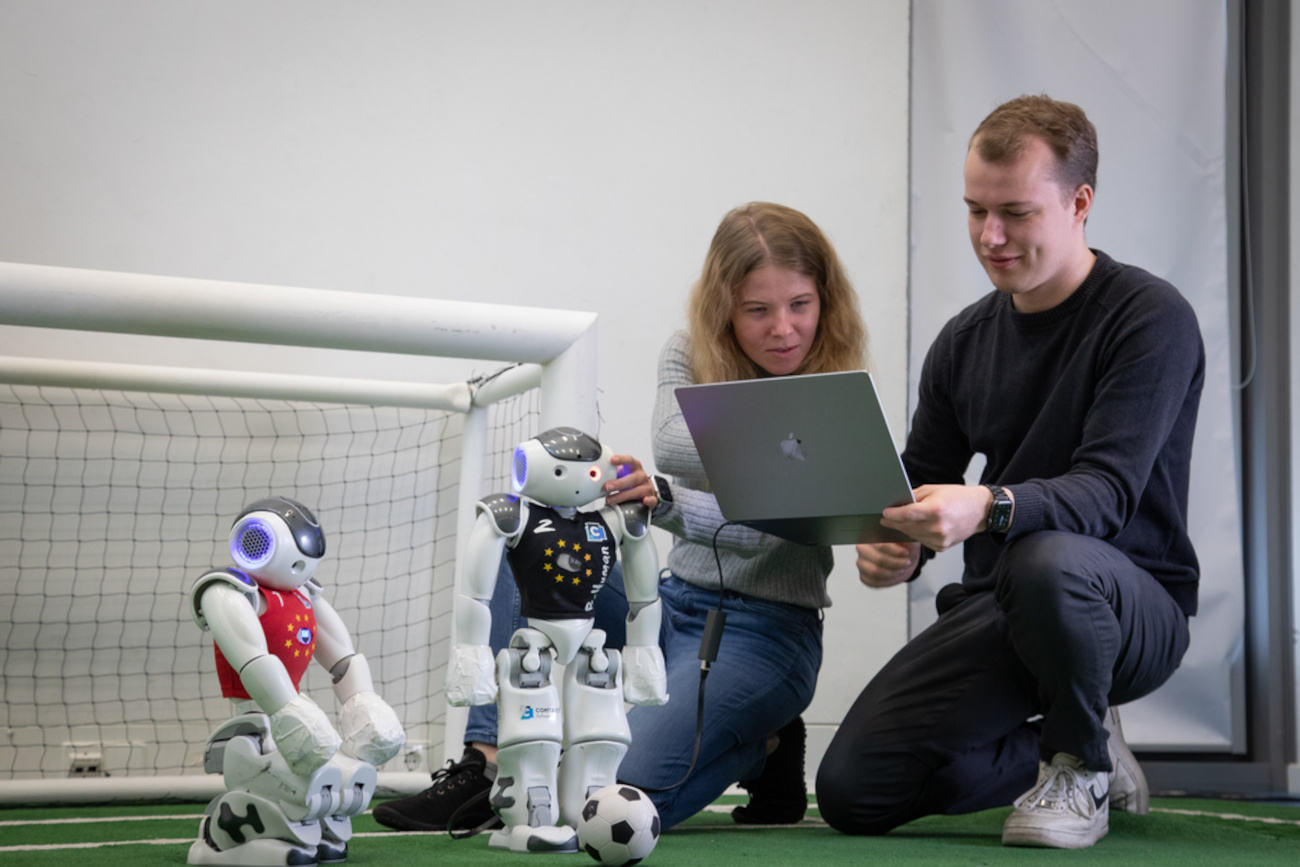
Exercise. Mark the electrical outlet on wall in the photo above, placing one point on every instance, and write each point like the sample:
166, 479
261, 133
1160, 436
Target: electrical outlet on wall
85, 760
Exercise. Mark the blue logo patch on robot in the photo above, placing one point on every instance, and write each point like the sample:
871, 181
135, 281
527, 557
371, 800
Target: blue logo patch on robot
304, 635
530, 712
595, 533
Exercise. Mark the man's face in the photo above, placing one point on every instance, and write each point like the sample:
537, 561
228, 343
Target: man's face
1026, 230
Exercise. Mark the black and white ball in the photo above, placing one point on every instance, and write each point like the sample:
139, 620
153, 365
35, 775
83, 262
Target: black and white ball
619, 825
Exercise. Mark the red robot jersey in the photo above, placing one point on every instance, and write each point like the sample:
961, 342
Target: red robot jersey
290, 628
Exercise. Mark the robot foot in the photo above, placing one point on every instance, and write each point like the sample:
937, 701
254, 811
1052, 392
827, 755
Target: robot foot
262, 852
331, 849
329, 852
258, 853
558, 839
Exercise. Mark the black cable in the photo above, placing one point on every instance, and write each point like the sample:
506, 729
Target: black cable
709, 641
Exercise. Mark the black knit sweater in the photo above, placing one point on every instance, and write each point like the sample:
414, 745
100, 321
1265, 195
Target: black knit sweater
1085, 412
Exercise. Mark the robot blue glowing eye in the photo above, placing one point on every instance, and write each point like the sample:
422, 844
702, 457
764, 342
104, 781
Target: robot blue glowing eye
254, 545
519, 470
594, 473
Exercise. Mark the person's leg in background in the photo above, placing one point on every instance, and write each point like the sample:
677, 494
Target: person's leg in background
463, 781
763, 678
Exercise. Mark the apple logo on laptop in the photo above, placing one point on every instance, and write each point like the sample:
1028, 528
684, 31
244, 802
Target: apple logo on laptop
792, 448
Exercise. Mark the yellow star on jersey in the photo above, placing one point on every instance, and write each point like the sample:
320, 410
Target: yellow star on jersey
587, 557
577, 580
559, 579
288, 643
560, 543
546, 567
588, 573
577, 547
550, 553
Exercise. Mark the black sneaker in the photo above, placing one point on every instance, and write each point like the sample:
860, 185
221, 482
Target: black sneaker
779, 795
453, 787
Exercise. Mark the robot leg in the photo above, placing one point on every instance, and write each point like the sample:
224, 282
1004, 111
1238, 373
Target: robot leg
269, 816
529, 731
595, 725
355, 791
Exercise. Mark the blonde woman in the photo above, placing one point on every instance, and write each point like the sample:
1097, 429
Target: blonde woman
772, 300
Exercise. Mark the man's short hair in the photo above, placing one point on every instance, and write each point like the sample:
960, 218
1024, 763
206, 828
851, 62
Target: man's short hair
1000, 137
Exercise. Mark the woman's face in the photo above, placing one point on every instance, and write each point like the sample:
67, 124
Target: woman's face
775, 318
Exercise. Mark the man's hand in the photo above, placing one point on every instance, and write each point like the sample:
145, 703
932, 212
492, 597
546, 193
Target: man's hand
887, 563
942, 516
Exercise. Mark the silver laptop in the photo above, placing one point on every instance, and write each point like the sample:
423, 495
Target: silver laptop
807, 458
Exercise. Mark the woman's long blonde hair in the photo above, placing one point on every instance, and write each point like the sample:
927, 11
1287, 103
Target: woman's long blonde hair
751, 237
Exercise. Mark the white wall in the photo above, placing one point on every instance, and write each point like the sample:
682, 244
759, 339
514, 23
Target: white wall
568, 154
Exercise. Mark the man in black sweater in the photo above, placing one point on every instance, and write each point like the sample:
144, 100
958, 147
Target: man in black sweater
1078, 379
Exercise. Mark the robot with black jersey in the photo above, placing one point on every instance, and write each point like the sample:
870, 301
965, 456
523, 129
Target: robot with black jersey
561, 558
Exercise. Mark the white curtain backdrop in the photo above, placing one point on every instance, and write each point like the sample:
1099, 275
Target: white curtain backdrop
1150, 75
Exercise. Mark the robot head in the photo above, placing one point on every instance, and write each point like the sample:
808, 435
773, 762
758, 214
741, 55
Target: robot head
562, 467
278, 542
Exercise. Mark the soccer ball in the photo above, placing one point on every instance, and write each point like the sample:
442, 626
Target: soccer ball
619, 825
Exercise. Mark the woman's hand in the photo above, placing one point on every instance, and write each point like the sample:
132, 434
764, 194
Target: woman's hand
633, 483
887, 563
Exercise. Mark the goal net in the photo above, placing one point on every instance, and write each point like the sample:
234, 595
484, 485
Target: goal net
111, 505
119, 485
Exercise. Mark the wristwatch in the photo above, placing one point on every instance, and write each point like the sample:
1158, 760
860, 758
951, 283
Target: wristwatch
664, 493
1000, 512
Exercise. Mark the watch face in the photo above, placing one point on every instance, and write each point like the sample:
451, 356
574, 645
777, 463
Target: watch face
1000, 512
1000, 517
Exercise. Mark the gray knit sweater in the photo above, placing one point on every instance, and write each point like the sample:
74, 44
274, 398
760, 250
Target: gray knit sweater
753, 563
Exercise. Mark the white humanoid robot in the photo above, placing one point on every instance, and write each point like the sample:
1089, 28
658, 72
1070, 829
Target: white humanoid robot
561, 558
293, 783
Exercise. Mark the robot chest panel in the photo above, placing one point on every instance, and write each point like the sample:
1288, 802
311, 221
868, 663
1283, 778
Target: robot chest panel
290, 626
560, 564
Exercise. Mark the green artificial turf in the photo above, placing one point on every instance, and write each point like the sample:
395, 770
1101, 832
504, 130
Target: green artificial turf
1178, 833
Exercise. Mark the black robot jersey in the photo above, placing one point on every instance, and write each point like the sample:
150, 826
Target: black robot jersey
561, 563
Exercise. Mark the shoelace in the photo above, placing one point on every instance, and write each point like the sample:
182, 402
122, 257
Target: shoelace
487, 824
1061, 789
445, 778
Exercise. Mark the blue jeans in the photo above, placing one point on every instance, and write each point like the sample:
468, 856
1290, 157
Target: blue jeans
763, 678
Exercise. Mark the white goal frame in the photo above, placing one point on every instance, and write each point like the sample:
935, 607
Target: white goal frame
555, 349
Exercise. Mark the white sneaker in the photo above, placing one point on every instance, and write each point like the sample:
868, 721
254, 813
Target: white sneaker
1128, 785
1069, 808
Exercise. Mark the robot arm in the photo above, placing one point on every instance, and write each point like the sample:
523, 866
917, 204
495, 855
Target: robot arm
301, 730
645, 677
471, 671
369, 728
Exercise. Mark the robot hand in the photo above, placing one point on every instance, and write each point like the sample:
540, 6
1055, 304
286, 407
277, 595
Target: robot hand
370, 729
645, 679
304, 735
471, 675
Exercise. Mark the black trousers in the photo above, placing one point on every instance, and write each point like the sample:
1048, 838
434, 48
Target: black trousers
1071, 627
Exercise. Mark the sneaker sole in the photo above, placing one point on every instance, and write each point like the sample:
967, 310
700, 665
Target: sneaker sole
1051, 838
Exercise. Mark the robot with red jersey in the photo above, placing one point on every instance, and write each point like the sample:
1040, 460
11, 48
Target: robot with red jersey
293, 782
561, 558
